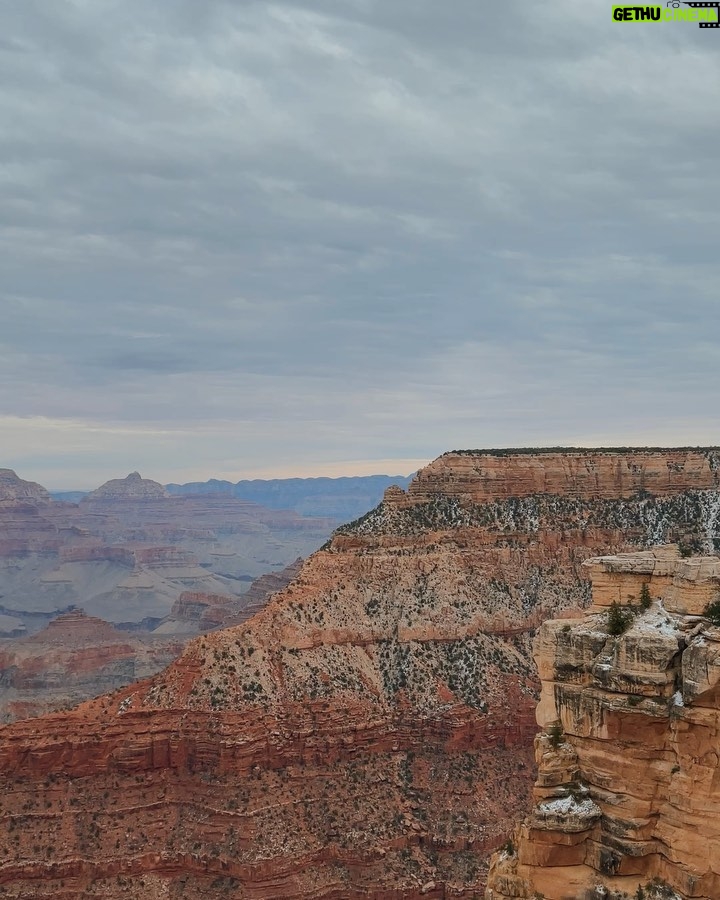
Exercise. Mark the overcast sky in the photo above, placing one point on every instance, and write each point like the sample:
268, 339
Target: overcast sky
256, 239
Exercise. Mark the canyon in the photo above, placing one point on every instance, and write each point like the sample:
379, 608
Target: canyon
148, 570
341, 498
76, 656
369, 733
127, 551
626, 800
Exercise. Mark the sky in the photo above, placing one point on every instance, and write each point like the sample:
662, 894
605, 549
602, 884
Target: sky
327, 237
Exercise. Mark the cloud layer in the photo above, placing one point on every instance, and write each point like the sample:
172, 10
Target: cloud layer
310, 236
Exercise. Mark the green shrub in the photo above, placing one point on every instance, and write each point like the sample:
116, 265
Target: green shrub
556, 734
712, 611
618, 619
645, 598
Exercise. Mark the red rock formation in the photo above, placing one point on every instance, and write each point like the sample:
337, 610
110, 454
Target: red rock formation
368, 733
589, 474
259, 592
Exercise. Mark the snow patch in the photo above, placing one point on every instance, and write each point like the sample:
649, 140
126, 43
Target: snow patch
565, 806
656, 621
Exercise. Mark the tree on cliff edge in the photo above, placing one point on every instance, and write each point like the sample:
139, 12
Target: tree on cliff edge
618, 619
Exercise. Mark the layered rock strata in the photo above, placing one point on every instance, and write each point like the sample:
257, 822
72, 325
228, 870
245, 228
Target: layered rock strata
75, 657
610, 474
130, 555
367, 735
132, 487
627, 799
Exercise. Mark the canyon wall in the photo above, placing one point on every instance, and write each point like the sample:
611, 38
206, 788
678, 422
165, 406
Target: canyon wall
627, 799
130, 555
127, 552
369, 733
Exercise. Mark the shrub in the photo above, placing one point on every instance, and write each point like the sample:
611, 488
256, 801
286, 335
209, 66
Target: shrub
556, 734
712, 611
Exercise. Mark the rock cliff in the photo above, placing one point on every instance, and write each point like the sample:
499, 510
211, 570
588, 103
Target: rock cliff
608, 474
368, 734
627, 798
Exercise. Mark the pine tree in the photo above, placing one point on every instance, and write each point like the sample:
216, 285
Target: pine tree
645, 598
618, 619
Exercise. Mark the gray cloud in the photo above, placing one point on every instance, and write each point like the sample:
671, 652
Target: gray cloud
309, 232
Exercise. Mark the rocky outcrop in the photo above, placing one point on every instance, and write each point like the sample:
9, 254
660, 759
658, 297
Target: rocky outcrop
627, 798
24, 524
369, 733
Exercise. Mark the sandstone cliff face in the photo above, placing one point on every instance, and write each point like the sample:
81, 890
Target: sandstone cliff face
627, 799
369, 734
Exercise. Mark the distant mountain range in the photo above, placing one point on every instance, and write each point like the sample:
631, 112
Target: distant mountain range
337, 498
